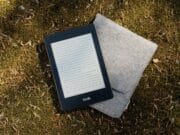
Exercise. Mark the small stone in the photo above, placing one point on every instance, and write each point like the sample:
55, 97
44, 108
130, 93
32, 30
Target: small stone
21, 7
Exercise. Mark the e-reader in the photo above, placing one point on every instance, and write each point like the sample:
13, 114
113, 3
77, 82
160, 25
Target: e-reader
78, 67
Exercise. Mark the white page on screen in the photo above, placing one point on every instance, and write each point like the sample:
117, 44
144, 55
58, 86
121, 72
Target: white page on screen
77, 65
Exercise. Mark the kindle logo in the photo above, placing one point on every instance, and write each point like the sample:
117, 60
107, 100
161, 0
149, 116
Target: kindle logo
86, 99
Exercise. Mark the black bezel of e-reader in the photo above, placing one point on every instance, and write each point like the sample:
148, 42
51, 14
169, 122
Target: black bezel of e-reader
70, 103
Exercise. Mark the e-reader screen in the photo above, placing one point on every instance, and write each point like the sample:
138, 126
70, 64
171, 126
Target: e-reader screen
77, 65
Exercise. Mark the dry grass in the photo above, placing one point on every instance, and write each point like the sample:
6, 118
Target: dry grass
28, 103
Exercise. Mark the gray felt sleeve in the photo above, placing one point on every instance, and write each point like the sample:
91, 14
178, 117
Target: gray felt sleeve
126, 55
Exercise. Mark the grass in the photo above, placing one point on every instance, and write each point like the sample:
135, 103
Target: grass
28, 102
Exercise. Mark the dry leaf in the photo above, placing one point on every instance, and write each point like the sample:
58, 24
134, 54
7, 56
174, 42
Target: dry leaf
1, 115
156, 60
14, 71
36, 115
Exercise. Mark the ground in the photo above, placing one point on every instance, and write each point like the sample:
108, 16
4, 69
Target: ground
28, 102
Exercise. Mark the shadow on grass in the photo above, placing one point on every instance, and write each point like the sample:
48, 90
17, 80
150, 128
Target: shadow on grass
175, 5
45, 66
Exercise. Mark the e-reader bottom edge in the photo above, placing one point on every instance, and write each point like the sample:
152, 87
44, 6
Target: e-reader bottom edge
80, 103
